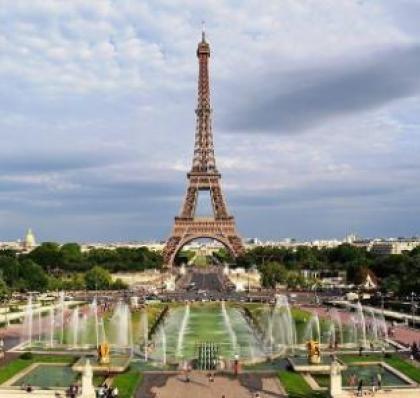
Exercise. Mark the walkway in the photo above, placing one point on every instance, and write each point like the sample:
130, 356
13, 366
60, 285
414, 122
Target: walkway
158, 385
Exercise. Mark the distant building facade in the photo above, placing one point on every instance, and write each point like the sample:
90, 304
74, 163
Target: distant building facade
394, 246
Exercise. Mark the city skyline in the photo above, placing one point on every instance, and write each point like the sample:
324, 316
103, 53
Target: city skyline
98, 120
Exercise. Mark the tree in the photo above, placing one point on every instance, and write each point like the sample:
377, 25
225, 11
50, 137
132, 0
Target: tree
47, 255
273, 273
119, 285
9, 268
391, 284
4, 291
34, 276
98, 278
346, 253
71, 253
296, 280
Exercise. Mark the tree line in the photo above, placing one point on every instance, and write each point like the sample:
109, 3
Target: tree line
398, 273
51, 266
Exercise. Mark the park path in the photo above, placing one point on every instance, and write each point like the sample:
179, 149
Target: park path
158, 385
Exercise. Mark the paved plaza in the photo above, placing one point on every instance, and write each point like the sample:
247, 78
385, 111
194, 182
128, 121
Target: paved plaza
158, 385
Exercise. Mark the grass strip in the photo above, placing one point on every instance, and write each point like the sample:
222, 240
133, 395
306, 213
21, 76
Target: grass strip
296, 386
127, 383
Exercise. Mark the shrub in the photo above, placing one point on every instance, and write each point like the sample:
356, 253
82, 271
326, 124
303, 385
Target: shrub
28, 356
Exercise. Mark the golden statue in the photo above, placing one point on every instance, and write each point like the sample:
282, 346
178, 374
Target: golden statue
314, 355
103, 353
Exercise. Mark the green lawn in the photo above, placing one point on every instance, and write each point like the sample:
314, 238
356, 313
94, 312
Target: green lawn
296, 386
14, 367
395, 361
404, 367
127, 383
201, 261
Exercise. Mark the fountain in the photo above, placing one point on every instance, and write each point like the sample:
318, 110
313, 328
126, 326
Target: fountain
229, 328
28, 321
121, 327
62, 314
75, 326
353, 338
208, 354
269, 331
332, 340
335, 318
162, 335
313, 329
94, 310
182, 330
361, 324
279, 327
145, 323
83, 328
52, 325
39, 326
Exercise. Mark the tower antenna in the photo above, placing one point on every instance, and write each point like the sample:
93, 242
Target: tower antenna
203, 30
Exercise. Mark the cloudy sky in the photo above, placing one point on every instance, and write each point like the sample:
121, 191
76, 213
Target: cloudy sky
316, 115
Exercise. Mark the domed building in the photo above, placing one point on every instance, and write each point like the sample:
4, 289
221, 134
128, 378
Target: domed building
29, 242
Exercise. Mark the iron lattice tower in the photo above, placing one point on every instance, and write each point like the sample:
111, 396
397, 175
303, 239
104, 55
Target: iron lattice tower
203, 176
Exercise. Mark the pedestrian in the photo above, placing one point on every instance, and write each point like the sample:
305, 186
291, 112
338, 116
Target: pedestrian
360, 388
360, 351
115, 392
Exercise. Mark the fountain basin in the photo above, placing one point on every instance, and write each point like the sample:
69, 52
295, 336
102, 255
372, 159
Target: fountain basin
44, 376
185, 328
118, 364
390, 377
301, 364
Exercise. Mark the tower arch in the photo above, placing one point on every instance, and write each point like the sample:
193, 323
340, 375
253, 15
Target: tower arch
181, 244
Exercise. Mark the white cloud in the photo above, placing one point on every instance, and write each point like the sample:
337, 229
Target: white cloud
119, 77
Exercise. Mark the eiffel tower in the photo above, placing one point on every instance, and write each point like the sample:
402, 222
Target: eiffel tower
203, 176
